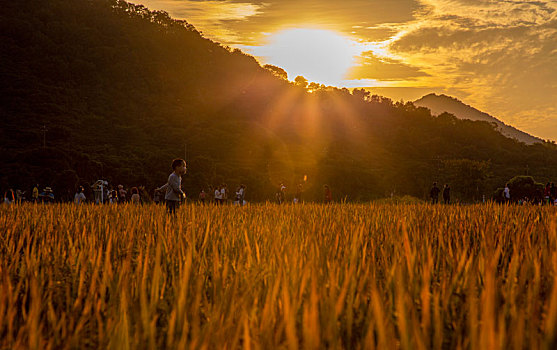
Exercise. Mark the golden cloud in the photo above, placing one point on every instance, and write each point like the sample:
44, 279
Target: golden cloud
500, 56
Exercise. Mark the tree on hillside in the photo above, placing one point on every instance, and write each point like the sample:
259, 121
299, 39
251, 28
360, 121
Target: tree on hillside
277, 71
361, 94
301, 81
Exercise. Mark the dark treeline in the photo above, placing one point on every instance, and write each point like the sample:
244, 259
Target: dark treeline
122, 90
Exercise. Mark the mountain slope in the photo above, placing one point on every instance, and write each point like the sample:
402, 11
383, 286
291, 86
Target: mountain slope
442, 103
122, 90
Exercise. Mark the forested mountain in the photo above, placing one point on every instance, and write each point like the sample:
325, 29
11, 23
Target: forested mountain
441, 103
122, 90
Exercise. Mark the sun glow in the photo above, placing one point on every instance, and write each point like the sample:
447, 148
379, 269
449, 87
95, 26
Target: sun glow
321, 56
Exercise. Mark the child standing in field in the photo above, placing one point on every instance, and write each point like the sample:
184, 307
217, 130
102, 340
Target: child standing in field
434, 193
174, 193
507, 194
447, 194
136, 199
202, 196
79, 196
35, 196
217, 195
240, 193
121, 194
9, 196
224, 194
113, 197
328, 195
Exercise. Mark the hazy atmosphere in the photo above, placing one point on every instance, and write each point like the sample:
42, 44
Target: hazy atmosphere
499, 56
226, 174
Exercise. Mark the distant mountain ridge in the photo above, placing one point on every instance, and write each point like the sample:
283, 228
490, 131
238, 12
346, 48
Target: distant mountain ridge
443, 103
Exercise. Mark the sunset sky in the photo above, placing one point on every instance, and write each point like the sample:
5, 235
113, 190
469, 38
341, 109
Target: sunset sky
498, 56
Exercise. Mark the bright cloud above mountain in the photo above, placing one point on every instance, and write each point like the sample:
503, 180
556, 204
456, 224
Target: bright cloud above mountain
500, 56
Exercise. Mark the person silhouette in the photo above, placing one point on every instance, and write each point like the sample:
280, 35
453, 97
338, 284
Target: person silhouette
434, 193
447, 194
328, 196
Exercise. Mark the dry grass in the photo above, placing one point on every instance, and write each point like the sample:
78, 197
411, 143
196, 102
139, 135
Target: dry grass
261, 277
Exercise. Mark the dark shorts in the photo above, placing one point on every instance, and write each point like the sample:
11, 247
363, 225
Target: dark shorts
171, 206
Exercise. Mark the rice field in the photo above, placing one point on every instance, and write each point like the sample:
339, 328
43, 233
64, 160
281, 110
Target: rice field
309, 276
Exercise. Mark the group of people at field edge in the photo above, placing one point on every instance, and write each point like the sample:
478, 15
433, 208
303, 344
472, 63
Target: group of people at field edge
37, 196
102, 193
280, 195
220, 195
435, 191
172, 195
549, 196
98, 195
105, 194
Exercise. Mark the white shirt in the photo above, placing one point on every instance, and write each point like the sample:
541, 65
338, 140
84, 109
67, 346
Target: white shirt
79, 198
507, 192
217, 194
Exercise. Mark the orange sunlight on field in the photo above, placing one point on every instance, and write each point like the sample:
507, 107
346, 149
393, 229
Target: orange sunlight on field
267, 276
